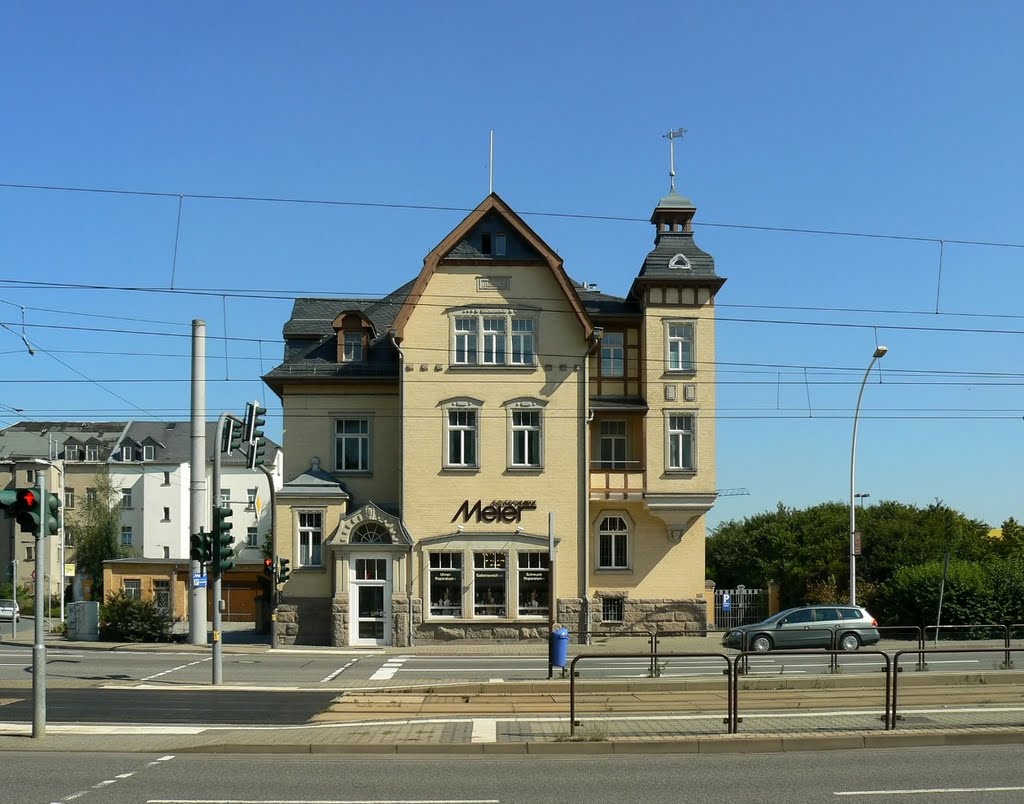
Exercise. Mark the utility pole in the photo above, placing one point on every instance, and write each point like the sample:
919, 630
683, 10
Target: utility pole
197, 484
39, 644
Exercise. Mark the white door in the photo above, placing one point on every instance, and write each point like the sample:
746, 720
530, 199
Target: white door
370, 600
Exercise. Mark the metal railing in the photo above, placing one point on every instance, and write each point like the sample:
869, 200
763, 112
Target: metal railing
1004, 629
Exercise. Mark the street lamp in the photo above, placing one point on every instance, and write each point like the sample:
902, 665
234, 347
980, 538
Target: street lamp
860, 495
879, 352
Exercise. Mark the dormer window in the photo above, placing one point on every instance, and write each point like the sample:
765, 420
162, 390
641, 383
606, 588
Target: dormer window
353, 347
148, 452
126, 453
499, 244
72, 452
92, 452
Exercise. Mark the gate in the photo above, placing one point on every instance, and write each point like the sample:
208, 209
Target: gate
740, 606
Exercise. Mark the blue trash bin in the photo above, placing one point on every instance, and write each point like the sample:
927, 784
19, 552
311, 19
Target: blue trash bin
558, 649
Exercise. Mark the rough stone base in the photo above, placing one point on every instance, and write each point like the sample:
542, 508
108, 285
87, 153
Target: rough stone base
304, 621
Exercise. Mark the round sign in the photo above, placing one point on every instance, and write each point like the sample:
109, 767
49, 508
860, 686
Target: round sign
33, 575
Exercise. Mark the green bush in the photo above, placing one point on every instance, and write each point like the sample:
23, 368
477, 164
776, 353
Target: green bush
128, 619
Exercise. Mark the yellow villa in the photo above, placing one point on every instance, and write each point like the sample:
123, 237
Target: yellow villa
439, 440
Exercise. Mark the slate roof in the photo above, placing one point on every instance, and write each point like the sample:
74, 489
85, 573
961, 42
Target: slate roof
171, 439
657, 263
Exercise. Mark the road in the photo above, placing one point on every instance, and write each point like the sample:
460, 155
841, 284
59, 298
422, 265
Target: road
353, 669
980, 775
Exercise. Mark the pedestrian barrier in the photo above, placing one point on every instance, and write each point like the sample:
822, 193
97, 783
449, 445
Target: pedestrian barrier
991, 627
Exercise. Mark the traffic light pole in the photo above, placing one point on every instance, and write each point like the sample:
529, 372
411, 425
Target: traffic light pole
39, 645
218, 647
273, 555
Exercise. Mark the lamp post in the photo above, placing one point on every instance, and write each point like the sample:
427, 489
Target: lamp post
860, 495
879, 352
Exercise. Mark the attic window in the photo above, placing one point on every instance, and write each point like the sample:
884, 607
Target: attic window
354, 351
499, 244
148, 452
126, 453
679, 261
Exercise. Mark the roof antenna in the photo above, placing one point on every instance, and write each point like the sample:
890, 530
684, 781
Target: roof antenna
490, 167
671, 137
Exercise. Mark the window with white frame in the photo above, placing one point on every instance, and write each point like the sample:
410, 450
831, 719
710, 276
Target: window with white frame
126, 535
490, 571
92, 452
611, 444
311, 536
127, 453
613, 543
72, 452
534, 584
482, 338
461, 438
681, 442
126, 498
250, 499
526, 439
251, 534
523, 350
613, 354
133, 588
445, 584
148, 452
225, 497
69, 498
353, 347
680, 346
352, 444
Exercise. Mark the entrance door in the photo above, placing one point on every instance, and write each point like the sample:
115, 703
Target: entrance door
371, 600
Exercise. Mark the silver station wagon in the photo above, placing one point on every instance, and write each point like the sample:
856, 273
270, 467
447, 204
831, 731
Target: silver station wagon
846, 627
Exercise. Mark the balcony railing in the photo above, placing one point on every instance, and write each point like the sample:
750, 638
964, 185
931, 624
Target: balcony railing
617, 480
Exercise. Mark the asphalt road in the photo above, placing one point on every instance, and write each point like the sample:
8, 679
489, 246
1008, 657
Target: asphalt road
980, 775
354, 669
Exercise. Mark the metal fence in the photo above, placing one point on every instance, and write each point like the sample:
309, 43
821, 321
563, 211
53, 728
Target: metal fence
740, 606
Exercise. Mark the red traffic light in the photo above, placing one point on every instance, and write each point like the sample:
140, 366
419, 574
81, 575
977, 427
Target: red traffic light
27, 497
268, 566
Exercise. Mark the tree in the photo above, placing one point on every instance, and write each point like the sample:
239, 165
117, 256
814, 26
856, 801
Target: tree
95, 531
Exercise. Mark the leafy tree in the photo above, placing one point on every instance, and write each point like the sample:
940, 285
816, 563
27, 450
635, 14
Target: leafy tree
1011, 543
128, 619
95, 531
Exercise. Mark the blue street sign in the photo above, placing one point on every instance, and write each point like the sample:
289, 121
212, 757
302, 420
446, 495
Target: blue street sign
726, 602
198, 580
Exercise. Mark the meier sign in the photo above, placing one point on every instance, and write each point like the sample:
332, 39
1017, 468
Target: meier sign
497, 511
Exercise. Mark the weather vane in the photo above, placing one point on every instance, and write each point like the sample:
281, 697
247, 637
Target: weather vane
671, 137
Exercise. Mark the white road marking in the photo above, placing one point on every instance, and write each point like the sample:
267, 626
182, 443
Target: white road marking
928, 790
179, 667
389, 668
485, 730
338, 672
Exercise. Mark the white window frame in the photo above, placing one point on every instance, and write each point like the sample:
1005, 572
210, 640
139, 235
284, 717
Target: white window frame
532, 562
92, 452
309, 531
127, 452
463, 420
148, 452
495, 558
494, 338
353, 346
252, 535
126, 498
614, 541
680, 428
225, 498
72, 452
613, 355
250, 499
526, 437
452, 562
363, 439
132, 588
678, 343
126, 530
69, 499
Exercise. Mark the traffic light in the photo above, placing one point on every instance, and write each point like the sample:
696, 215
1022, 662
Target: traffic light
222, 539
200, 544
257, 453
51, 514
268, 567
254, 422
231, 438
282, 570
26, 509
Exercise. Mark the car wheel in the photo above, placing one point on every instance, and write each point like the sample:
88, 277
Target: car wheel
850, 642
761, 644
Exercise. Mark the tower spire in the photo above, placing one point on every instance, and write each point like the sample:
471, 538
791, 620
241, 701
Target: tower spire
671, 137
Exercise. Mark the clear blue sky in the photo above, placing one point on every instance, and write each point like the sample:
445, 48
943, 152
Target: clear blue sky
875, 118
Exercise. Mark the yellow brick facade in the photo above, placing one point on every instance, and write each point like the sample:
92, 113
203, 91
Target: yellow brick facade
480, 404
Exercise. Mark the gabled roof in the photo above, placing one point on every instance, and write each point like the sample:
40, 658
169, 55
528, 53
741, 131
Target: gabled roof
493, 203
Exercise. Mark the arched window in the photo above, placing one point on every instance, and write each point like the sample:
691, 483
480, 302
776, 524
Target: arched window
370, 533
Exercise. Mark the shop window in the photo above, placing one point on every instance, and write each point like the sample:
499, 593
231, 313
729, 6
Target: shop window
534, 584
489, 584
445, 584
613, 543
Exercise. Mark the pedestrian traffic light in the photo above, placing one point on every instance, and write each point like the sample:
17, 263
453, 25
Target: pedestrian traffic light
268, 567
232, 436
200, 547
222, 539
282, 570
51, 514
254, 422
26, 510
